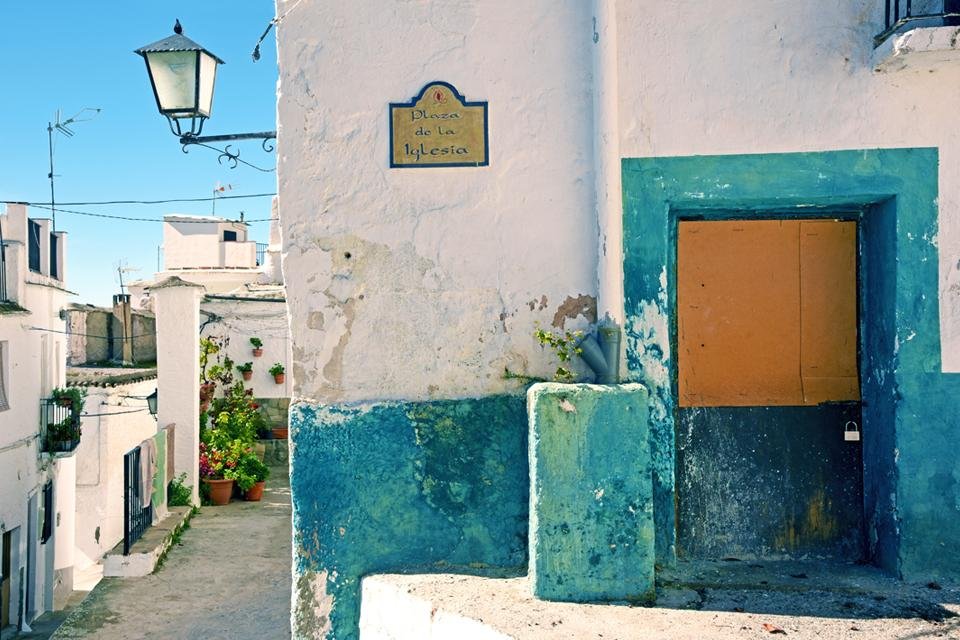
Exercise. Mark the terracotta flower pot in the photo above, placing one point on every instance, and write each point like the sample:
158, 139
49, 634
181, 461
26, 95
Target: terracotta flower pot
220, 491
280, 433
279, 378
255, 492
257, 353
247, 375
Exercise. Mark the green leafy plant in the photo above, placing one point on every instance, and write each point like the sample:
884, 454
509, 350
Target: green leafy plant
72, 397
67, 430
565, 345
248, 471
256, 343
179, 494
208, 347
245, 367
277, 369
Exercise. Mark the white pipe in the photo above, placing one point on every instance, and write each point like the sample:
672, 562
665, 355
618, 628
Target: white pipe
609, 197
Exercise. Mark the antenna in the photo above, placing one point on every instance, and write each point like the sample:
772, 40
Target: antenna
122, 269
63, 126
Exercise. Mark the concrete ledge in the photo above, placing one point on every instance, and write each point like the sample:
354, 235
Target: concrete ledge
919, 48
148, 550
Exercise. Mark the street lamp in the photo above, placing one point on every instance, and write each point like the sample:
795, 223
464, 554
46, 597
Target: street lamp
182, 74
152, 403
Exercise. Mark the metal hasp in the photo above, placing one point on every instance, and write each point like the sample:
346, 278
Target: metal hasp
602, 353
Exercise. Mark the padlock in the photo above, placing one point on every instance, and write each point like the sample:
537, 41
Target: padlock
851, 432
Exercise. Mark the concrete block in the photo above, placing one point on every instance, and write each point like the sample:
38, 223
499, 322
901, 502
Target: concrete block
591, 503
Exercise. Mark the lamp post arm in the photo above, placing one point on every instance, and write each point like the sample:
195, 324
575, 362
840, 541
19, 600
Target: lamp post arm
260, 135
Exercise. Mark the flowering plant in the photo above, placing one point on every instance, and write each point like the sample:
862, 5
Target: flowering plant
219, 463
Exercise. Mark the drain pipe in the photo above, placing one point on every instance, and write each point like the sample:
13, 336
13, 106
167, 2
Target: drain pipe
609, 196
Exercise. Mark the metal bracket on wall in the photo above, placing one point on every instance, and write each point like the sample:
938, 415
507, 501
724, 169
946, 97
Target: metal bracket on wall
268, 144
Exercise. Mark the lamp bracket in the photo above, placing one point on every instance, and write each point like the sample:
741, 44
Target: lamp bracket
226, 154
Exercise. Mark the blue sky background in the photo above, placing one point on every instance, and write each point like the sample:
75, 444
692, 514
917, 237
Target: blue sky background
70, 55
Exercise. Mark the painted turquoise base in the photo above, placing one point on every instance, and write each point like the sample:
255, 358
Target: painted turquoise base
591, 503
402, 487
911, 421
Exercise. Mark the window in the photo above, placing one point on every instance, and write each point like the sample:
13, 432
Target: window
229, 236
33, 231
54, 267
4, 404
46, 528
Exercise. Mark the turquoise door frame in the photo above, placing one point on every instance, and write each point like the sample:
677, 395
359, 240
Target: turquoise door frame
910, 420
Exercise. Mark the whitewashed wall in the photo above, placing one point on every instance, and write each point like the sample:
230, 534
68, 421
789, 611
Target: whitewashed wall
448, 269
34, 364
241, 320
99, 459
742, 76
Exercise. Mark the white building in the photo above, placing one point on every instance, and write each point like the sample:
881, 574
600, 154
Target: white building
609, 125
244, 293
36, 488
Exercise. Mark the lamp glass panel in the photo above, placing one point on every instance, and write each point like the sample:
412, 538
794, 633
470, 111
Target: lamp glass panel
175, 78
208, 76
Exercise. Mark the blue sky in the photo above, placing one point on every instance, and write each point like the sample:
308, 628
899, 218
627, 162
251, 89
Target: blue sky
71, 55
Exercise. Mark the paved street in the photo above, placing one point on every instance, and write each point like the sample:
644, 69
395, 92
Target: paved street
229, 578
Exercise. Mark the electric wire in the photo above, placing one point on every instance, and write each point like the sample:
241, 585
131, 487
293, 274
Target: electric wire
135, 219
168, 201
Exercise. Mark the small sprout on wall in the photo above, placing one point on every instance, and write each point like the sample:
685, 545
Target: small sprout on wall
565, 345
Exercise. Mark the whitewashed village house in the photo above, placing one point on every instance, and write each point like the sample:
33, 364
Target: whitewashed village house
37, 488
244, 296
454, 174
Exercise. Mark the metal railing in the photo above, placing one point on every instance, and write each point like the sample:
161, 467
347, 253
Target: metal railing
59, 426
901, 14
136, 517
261, 252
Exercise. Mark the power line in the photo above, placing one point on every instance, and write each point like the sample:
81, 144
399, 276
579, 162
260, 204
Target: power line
89, 335
172, 200
134, 219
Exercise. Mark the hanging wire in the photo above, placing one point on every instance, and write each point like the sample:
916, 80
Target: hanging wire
172, 200
133, 219
256, 50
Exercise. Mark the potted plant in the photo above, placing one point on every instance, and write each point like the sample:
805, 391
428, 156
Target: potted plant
246, 370
63, 435
215, 466
257, 344
277, 371
250, 475
72, 397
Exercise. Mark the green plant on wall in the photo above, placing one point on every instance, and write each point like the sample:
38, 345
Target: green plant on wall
179, 493
277, 369
565, 345
72, 397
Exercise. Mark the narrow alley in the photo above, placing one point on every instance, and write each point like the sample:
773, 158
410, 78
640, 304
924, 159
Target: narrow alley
227, 577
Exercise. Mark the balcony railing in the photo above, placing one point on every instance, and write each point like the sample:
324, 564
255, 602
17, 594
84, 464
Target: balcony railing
901, 15
59, 426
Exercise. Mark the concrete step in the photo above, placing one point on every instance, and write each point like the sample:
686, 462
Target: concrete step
146, 552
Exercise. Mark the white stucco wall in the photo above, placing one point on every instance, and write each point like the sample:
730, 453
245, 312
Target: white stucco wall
34, 364
99, 462
760, 77
241, 320
192, 241
448, 269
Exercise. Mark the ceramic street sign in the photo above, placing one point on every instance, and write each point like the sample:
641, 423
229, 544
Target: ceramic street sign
438, 128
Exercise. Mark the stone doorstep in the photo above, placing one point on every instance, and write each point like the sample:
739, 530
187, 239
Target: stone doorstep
147, 551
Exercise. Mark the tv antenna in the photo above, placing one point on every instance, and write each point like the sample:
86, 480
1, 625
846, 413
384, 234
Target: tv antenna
63, 127
122, 269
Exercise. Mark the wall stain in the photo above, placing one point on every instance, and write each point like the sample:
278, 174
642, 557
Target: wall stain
583, 305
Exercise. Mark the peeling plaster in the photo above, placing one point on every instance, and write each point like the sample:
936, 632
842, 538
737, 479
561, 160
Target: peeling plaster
571, 308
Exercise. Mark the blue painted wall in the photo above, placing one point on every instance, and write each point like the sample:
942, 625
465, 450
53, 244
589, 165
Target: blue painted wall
911, 418
591, 507
403, 487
